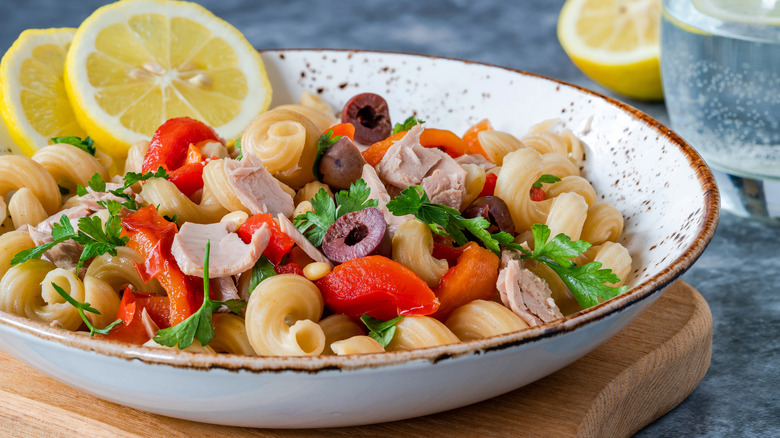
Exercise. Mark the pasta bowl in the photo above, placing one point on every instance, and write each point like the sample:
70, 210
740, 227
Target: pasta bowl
666, 193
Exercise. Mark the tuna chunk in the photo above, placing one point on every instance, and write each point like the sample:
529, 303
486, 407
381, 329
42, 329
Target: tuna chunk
229, 255
477, 159
379, 192
257, 189
407, 162
65, 255
446, 182
289, 229
41, 233
525, 293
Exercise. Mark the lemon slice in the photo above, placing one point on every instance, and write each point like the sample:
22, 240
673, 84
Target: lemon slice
761, 12
615, 43
34, 105
134, 64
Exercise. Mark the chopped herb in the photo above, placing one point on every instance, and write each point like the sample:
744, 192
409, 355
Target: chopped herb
174, 218
81, 308
324, 143
381, 331
407, 124
97, 184
91, 234
237, 146
260, 271
198, 326
314, 224
86, 145
545, 179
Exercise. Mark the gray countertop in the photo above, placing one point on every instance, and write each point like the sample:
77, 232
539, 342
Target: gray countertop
739, 395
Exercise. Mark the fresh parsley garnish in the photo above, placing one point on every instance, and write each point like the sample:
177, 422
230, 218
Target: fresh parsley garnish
324, 143
314, 224
237, 146
81, 308
86, 145
407, 124
381, 331
588, 283
260, 271
197, 326
545, 179
174, 218
97, 184
95, 238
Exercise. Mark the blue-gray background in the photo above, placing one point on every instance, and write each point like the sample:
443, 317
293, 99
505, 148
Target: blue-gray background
737, 274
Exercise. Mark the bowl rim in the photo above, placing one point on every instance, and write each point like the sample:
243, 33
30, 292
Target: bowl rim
319, 364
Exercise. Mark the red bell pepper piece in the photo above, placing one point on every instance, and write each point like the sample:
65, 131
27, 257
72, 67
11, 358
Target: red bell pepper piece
343, 129
446, 252
472, 278
278, 245
537, 194
169, 148
490, 185
151, 235
131, 309
471, 138
445, 140
377, 286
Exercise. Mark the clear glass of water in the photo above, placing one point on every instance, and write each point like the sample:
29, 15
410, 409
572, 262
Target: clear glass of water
721, 77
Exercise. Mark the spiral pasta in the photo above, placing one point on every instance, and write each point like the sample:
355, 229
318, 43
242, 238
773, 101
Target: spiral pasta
69, 165
604, 223
559, 165
321, 118
282, 315
475, 182
574, 184
307, 192
497, 144
413, 247
338, 327
215, 182
10, 244
102, 297
357, 345
119, 271
519, 171
18, 171
481, 319
25, 208
171, 201
567, 215
286, 142
230, 335
135, 156
418, 332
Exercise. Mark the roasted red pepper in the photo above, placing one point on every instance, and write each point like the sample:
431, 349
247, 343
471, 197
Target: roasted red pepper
377, 286
471, 137
131, 309
151, 235
490, 185
170, 148
472, 278
289, 268
445, 140
537, 194
278, 245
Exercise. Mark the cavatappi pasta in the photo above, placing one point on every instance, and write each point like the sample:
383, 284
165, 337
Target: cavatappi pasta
388, 296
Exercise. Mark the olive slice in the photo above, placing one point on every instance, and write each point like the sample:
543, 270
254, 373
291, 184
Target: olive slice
357, 234
494, 209
369, 114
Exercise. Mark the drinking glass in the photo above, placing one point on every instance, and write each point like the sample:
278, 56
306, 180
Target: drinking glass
720, 66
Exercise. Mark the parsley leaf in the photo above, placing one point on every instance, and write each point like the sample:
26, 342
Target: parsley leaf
86, 145
324, 143
97, 184
197, 326
407, 124
81, 308
260, 271
314, 224
381, 331
237, 146
545, 179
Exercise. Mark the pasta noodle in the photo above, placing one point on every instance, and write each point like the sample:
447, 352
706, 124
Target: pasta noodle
337, 328
357, 345
171, 201
135, 156
419, 332
282, 315
604, 223
575, 184
559, 165
475, 182
101, 296
230, 335
69, 165
119, 271
17, 171
481, 319
412, 247
567, 215
497, 144
215, 182
10, 244
25, 208
520, 170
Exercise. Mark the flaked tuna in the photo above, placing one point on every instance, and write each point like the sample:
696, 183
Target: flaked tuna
525, 293
256, 188
229, 255
407, 162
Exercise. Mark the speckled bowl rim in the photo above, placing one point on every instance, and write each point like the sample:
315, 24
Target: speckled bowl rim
319, 364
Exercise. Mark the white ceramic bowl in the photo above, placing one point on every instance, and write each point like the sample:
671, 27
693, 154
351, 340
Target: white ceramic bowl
664, 189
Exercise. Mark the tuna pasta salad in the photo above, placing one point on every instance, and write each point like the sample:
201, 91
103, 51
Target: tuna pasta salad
312, 233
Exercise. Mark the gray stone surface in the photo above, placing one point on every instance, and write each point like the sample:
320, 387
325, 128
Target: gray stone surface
738, 272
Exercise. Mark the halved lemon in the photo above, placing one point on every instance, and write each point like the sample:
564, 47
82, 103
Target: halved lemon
34, 105
134, 64
616, 43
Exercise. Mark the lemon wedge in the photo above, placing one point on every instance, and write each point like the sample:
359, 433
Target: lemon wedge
134, 64
760, 12
616, 43
34, 105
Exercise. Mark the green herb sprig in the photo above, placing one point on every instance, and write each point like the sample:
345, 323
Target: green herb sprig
314, 224
260, 271
97, 184
545, 179
198, 326
381, 331
86, 145
85, 307
407, 124
324, 143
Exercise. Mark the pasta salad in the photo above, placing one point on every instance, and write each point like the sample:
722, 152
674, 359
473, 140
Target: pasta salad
313, 233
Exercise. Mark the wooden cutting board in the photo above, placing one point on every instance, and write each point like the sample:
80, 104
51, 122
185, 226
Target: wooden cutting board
636, 377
